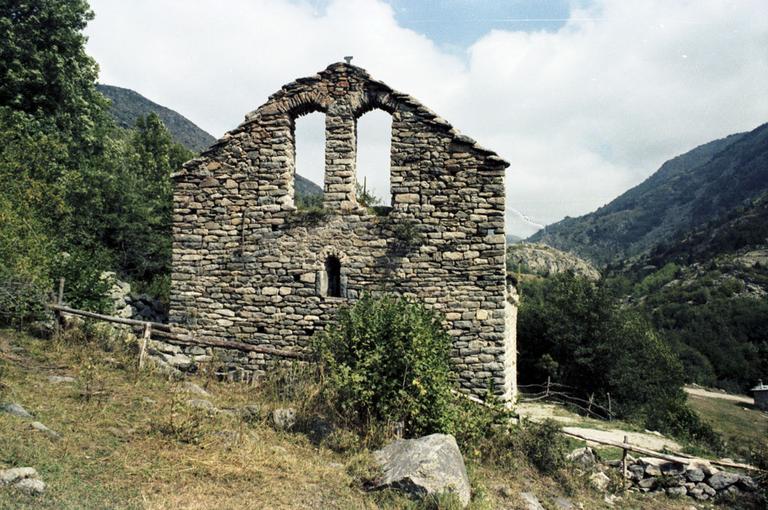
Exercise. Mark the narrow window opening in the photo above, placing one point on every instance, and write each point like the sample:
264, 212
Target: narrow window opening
374, 145
333, 272
309, 157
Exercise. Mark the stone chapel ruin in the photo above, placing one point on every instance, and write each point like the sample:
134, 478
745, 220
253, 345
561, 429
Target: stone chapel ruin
248, 266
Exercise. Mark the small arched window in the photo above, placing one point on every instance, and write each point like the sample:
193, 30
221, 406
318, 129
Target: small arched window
333, 273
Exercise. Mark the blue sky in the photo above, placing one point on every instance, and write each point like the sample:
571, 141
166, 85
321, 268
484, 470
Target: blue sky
459, 23
585, 99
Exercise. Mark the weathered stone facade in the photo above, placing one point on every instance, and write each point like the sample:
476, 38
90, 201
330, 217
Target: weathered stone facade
249, 267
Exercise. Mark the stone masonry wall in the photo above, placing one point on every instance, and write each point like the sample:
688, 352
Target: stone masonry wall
249, 267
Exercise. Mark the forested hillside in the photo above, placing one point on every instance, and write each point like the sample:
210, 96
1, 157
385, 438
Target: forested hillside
706, 292
127, 106
685, 193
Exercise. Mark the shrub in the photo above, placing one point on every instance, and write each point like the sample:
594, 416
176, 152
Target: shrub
387, 361
543, 445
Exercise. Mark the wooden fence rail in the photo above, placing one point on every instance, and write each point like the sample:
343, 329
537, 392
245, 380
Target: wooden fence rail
165, 331
682, 459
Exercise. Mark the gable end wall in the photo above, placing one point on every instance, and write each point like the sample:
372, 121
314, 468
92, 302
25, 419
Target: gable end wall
249, 267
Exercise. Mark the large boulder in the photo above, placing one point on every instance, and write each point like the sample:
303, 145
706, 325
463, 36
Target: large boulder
427, 465
722, 480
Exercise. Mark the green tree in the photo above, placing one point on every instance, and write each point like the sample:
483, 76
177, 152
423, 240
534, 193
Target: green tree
142, 225
573, 329
44, 70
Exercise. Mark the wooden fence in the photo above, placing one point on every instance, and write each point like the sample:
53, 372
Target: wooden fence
555, 392
165, 331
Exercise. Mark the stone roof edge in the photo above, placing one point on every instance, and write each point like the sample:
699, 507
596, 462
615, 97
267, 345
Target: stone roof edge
432, 117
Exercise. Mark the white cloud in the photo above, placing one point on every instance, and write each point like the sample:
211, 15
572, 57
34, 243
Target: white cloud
581, 114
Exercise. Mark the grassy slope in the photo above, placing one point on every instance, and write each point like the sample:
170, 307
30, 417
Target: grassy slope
739, 423
134, 445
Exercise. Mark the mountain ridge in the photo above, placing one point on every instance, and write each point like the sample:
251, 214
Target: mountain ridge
127, 105
685, 192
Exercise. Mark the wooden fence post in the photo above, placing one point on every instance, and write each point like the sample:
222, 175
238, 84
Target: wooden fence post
57, 313
610, 412
624, 459
60, 295
143, 347
548, 379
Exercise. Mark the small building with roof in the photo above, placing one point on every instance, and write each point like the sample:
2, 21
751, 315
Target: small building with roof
760, 394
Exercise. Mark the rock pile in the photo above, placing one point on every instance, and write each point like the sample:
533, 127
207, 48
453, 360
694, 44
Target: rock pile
699, 481
130, 305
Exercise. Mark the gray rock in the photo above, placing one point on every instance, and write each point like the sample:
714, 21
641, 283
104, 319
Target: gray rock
45, 430
15, 410
599, 481
427, 465
13, 475
672, 469
647, 483
635, 472
530, 501
583, 457
747, 483
200, 403
56, 379
30, 486
706, 489
193, 388
652, 470
695, 475
284, 418
178, 361
676, 492
721, 480
564, 503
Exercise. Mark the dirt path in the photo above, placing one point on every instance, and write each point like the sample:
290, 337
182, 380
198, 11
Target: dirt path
538, 411
643, 439
701, 392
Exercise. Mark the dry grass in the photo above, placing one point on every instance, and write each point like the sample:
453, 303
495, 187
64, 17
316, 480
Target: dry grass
129, 441
132, 443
